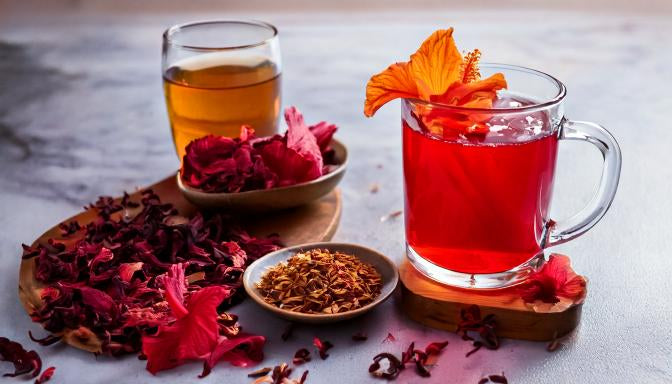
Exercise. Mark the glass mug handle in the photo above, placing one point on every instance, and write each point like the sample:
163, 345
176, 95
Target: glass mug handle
563, 231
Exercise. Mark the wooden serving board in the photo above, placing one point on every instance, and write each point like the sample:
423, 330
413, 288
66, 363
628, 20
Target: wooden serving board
313, 222
438, 306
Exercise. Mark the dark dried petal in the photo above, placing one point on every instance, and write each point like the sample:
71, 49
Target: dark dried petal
303, 378
69, 228
301, 356
47, 340
554, 344
392, 370
287, 333
407, 355
471, 321
500, 379
260, 372
390, 337
421, 369
25, 362
477, 346
322, 347
483, 380
359, 336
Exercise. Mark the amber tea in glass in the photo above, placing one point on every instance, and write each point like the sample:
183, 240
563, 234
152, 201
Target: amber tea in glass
219, 75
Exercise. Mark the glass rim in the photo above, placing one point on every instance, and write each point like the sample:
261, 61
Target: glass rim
169, 32
557, 99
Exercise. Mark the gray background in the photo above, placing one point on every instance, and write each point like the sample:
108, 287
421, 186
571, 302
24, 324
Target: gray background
82, 114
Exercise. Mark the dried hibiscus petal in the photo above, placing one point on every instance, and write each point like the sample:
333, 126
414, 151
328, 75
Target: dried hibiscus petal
500, 379
435, 348
554, 287
322, 347
47, 340
394, 366
46, 375
301, 356
25, 362
359, 336
191, 337
245, 163
472, 323
241, 351
260, 372
287, 333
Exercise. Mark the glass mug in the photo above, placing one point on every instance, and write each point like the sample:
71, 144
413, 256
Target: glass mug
477, 206
219, 75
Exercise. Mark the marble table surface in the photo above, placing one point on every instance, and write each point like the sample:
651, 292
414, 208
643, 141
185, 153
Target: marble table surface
82, 114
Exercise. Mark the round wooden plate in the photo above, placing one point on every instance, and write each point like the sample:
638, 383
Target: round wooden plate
313, 222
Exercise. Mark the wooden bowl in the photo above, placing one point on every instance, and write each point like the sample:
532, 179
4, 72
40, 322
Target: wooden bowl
273, 199
384, 266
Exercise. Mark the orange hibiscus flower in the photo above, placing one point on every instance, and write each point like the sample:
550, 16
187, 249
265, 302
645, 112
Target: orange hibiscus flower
436, 73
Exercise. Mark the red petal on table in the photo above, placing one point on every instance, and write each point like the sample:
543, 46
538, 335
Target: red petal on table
435, 348
126, 270
191, 337
242, 350
25, 362
175, 285
554, 281
45, 376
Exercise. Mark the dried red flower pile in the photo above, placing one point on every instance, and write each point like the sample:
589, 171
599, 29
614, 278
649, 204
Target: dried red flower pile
421, 359
141, 277
471, 323
222, 164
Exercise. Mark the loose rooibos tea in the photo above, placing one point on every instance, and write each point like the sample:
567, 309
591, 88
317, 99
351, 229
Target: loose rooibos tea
319, 281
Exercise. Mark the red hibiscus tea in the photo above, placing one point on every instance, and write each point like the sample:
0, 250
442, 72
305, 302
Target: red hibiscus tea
478, 203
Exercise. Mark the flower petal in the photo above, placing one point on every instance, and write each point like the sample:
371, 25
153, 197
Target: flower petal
393, 83
176, 286
243, 350
192, 337
437, 64
464, 93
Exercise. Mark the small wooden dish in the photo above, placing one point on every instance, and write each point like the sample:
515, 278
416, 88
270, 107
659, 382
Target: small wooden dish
384, 266
274, 199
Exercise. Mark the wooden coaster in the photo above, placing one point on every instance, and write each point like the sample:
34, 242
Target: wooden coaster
316, 221
438, 306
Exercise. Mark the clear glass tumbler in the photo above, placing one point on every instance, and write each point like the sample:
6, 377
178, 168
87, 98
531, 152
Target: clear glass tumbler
219, 75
